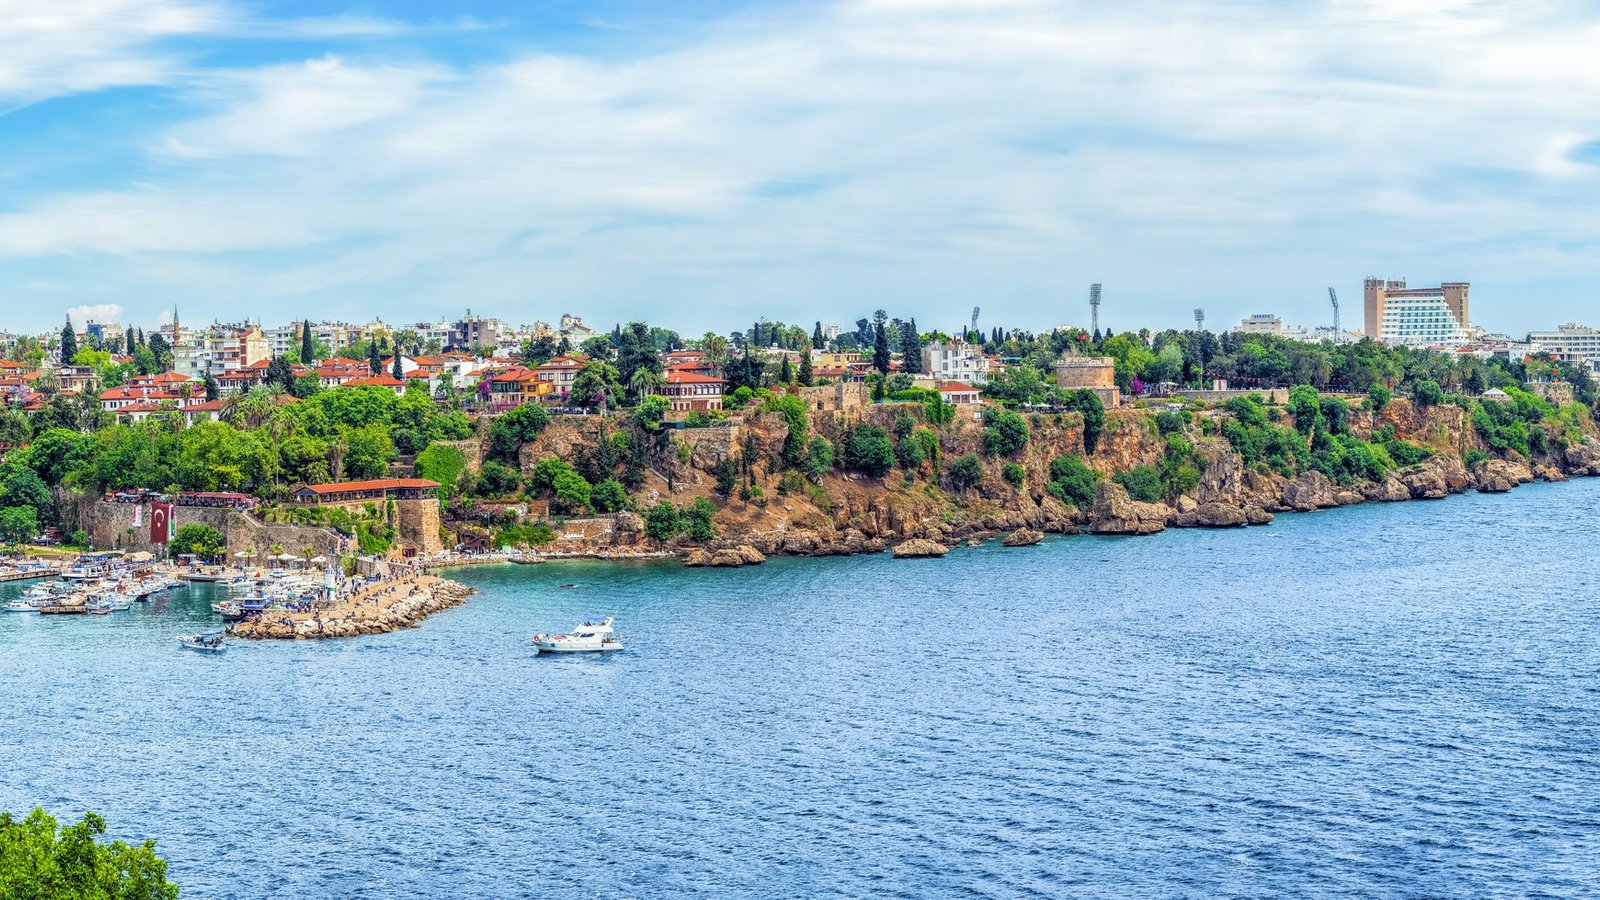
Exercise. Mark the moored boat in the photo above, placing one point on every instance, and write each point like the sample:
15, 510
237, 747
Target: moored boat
592, 635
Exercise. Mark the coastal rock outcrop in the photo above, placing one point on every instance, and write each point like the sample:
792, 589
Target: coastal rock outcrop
1312, 490
1218, 515
1114, 512
1496, 476
1390, 490
919, 548
726, 557
696, 558
1022, 537
1584, 458
387, 606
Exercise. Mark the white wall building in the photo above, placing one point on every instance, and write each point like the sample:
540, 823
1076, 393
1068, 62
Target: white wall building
1571, 342
955, 361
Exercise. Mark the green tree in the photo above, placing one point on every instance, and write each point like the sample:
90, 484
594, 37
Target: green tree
597, 385
18, 524
806, 376
69, 342
880, 348
573, 493
198, 540
1143, 483
1378, 397
1014, 474
1006, 433
212, 388
651, 411
40, 862
1088, 404
1072, 481
609, 496
1427, 393
867, 449
514, 428
661, 522
696, 519
965, 471
308, 355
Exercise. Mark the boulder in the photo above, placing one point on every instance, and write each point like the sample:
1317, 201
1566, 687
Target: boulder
1022, 537
1496, 476
697, 558
919, 548
1255, 515
1425, 482
750, 555
1312, 490
1389, 490
1549, 473
1114, 512
729, 558
1220, 515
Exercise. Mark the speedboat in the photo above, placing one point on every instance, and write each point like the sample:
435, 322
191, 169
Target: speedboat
592, 635
20, 605
204, 642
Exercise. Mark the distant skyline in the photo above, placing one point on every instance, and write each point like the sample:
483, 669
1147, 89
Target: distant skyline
706, 163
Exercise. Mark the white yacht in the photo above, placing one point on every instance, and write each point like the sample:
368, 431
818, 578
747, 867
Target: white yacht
20, 605
592, 635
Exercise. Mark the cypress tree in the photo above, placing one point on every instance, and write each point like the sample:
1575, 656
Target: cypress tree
374, 362
786, 371
69, 342
910, 349
817, 342
399, 371
880, 349
305, 344
128, 342
805, 369
212, 389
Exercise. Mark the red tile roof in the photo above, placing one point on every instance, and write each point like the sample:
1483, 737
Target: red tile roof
678, 376
340, 487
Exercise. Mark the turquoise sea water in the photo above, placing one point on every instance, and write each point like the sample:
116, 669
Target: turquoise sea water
1395, 699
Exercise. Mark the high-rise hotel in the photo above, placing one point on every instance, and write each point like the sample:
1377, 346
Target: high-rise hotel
1396, 314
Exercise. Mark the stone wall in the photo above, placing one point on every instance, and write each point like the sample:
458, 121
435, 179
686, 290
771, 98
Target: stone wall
110, 526
1557, 392
838, 397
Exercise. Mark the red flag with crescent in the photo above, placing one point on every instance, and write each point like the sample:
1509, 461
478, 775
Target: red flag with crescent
160, 522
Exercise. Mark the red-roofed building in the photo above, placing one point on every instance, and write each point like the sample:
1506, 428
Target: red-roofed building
561, 371
383, 381
205, 411
690, 391
513, 387
376, 489
960, 394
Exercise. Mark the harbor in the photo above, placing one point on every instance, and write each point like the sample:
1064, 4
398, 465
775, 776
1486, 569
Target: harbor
302, 601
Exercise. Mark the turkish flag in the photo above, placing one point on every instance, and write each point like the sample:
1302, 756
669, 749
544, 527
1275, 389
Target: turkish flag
160, 522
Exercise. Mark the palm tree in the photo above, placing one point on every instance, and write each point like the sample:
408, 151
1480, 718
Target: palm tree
645, 381
715, 347
409, 339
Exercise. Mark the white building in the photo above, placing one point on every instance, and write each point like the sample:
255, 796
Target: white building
831, 332
1571, 343
955, 361
1260, 323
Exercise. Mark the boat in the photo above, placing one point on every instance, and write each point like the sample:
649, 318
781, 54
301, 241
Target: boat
592, 635
20, 605
204, 642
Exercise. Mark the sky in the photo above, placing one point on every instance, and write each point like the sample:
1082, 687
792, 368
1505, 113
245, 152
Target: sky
704, 163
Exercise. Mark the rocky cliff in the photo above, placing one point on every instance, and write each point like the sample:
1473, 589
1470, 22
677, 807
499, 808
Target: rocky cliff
843, 512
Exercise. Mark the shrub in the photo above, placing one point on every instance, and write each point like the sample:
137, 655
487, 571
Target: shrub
572, 493
1378, 397
1473, 457
608, 496
1072, 481
1171, 421
1014, 474
1143, 483
1006, 433
696, 519
661, 522
867, 450
495, 479
966, 471
1427, 393
1094, 416
819, 457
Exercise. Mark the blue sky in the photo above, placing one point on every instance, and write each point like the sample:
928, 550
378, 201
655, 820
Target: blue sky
707, 162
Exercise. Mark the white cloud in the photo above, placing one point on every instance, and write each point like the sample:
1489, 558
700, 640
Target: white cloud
104, 313
920, 150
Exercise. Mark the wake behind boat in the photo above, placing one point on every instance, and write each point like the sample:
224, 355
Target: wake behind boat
592, 635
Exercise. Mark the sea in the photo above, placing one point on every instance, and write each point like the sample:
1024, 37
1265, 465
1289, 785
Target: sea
1376, 700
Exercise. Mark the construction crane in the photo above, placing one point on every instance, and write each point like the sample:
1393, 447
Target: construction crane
974, 325
1335, 298
1094, 307
1199, 319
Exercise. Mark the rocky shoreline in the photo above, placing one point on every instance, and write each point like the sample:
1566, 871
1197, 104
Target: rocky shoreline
390, 605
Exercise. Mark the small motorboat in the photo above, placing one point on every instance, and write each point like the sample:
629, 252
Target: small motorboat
592, 635
20, 605
204, 642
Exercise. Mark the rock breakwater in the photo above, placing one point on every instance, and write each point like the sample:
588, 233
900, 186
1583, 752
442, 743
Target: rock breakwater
387, 606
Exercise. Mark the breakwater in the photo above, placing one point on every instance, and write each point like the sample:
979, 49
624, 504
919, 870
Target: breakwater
389, 605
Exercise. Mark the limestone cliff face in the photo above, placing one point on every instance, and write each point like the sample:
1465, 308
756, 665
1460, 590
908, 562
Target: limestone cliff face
851, 513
